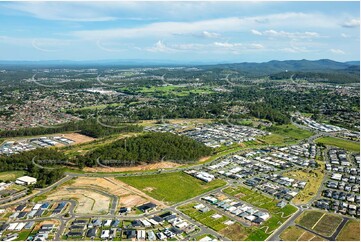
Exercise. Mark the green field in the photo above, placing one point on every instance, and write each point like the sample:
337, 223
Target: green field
350, 232
341, 143
328, 224
309, 218
10, 175
290, 132
171, 187
278, 215
204, 218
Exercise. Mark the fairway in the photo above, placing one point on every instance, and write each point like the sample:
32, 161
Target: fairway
10, 175
341, 143
351, 231
171, 187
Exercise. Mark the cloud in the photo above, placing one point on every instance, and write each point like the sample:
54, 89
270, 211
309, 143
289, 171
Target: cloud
213, 27
210, 34
285, 34
160, 47
256, 46
351, 23
337, 51
227, 45
256, 32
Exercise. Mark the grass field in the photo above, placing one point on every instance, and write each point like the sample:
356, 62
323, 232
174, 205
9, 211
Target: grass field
171, 187
314, 179
10, 175
290, 132
341, 143
309, 218
328, 224
204, 218
278, 215
294, 233
351, 231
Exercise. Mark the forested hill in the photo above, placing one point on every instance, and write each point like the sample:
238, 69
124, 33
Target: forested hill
273, 67
148, 148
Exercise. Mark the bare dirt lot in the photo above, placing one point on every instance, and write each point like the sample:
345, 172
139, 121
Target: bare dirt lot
78, 138
94, 194
155, 166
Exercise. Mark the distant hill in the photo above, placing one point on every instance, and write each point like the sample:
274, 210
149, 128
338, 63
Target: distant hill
275, 66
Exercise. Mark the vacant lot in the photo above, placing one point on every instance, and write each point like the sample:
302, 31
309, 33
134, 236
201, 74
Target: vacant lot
145, 167
309, 218
351, 231
235, 232
294, 233
10, 175
171, 187
204, 218
290, 132
278, 215
314, 179
327, 225
341, 143
94, 194
78, 138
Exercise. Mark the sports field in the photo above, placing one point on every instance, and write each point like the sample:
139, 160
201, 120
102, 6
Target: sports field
171, 187
341, 143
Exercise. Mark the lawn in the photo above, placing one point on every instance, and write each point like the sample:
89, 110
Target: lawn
10, 175
309, 218
328, 224
278, 215
341, 143
314, 179
290, 132
204, 218
172, 187
351, 231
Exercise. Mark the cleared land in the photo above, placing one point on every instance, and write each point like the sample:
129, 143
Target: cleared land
78, 138
294, 233
171, 187
351, 231
10, 175
327, 225
341, 143
286, 133
314, 179
94, 194
309, 218
278, 215
146, 167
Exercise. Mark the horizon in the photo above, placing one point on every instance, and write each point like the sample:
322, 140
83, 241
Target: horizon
223, 32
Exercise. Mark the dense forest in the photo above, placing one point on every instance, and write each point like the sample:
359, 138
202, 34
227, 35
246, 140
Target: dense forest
148, 148
88, 127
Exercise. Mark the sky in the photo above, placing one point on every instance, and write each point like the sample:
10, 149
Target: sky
186, 32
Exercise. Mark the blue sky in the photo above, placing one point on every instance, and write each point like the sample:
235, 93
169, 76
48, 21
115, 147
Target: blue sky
182, 31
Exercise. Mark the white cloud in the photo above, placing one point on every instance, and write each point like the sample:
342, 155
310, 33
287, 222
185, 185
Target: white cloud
160, 47
337, 51
212, 26
227, 45
210, 34
256, 32
291, 35
343, 35
351, 23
